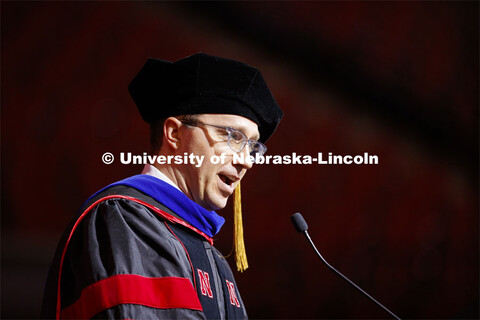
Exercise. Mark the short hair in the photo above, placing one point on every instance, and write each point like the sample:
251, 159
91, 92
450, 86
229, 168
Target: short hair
156, 130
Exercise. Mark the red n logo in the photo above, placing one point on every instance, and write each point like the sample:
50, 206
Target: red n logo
205, 283
233, 294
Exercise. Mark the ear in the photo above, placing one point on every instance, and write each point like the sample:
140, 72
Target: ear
171, 130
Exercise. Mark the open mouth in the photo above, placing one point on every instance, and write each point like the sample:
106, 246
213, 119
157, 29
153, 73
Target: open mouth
226, 180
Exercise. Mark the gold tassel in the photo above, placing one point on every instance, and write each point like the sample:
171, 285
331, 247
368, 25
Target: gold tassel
238, 243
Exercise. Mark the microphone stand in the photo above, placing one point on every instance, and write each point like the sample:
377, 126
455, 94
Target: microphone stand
301, 227
345, 278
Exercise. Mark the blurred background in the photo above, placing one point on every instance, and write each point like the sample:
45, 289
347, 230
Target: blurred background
399, 80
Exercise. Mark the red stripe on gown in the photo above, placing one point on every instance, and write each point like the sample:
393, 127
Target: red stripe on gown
162, 293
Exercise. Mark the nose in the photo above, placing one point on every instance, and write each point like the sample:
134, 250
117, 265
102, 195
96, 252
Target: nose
247, 164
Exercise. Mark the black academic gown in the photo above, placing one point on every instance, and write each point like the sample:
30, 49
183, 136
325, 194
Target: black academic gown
126, 256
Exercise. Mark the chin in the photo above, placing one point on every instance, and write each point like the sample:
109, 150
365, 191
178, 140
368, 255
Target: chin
213, 205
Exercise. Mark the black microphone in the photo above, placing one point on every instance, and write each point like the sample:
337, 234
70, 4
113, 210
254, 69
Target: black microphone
301, 227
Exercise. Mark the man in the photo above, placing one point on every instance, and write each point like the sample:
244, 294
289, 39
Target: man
142, 248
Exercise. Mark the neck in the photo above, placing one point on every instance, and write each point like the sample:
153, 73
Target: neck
176, 176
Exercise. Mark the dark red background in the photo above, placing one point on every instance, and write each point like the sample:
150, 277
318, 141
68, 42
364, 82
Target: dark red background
394, 79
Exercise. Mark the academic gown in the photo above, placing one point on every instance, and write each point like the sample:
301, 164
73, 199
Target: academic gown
129, 256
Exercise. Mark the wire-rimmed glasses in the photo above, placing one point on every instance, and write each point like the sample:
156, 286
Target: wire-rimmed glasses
236, 140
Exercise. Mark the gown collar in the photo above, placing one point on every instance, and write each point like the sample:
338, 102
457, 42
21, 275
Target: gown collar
206, 221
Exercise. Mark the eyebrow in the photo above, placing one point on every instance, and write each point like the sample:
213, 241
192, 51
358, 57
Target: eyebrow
242, 130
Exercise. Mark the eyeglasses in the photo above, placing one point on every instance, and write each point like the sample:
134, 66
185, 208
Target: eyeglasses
236, 140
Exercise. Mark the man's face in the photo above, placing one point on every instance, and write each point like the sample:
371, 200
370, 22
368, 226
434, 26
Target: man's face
210, 185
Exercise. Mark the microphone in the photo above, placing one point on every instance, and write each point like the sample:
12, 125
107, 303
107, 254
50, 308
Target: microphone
301, 227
